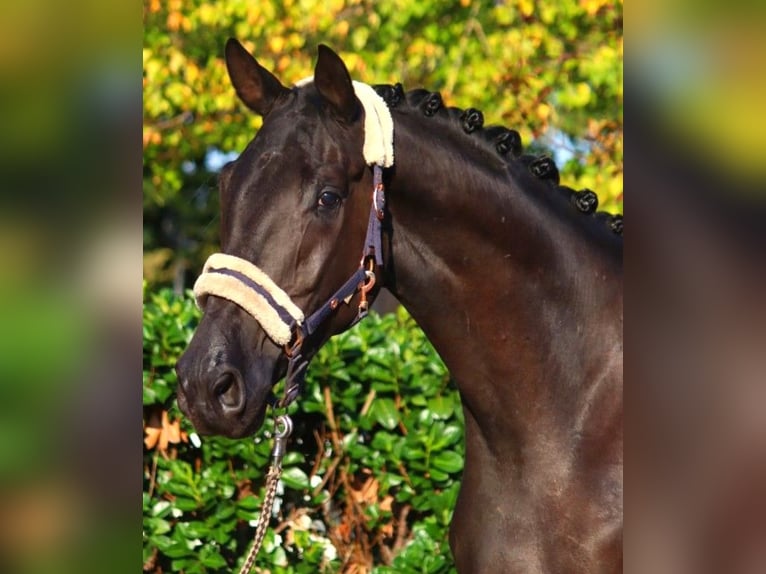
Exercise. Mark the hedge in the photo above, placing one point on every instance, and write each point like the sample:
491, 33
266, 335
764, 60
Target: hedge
371, 475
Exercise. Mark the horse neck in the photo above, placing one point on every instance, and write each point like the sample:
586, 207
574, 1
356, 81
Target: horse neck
519, 304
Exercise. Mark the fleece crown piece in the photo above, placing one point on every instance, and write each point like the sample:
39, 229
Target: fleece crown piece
378, 124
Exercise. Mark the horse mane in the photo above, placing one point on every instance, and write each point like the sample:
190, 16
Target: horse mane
505, 142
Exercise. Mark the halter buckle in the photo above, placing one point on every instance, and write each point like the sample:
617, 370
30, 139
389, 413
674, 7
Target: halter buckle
289, 349
364, 288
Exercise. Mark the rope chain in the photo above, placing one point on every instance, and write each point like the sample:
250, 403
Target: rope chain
272, 480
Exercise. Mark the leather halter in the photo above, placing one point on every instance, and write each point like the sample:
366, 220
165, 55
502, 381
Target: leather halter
243, 283
362, 280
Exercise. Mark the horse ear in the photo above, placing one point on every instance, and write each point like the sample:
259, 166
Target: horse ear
333, 83
255, 85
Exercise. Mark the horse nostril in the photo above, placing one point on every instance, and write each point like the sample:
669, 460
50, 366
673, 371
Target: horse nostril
230, 392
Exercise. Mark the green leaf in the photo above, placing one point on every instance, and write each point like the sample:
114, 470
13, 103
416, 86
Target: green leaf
157, 525
211, 558
438, 475
385, 412
384, 441
186, 504
178, 550
450, 435
292, 458
295, 478
442, 406
448, 461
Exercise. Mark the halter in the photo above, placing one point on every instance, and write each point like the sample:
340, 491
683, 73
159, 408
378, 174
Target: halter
243, 283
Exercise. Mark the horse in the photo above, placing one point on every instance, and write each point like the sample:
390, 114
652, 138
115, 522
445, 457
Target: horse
515, 280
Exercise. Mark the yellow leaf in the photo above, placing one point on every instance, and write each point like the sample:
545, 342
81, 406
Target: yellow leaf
152, 435
592, 6
368, 493
169, 432
342, 28
526, 7
192, 72
276, 43
175, 19
583, 92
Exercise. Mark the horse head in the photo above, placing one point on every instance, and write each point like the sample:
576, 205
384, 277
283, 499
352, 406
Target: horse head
294, 211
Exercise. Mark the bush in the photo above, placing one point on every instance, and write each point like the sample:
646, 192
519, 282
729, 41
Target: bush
370, 478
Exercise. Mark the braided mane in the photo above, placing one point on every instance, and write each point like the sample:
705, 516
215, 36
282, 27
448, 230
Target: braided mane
506, 143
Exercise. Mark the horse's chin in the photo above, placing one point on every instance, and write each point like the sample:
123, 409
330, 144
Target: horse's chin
243, 430
231, 426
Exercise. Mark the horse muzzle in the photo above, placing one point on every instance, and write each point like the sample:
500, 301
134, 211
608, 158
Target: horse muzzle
222, 388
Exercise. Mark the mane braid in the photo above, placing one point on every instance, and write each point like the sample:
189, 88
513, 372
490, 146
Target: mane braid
506, 143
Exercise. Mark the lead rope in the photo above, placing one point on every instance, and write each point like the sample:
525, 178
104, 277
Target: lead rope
272, 480
363, 280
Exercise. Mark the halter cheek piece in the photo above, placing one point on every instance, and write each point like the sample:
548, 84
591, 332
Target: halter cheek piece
243, 283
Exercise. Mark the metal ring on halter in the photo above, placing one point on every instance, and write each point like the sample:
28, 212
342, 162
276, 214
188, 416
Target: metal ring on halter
370, 283
366, 287
280, 439
287, 423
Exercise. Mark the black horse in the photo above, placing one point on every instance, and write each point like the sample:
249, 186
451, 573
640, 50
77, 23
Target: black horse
515, 280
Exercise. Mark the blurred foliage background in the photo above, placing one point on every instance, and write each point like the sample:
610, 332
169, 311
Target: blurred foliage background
550, 69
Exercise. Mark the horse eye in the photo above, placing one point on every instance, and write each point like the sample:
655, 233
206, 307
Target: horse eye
329, 200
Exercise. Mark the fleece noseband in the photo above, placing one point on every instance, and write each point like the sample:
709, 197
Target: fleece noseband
243, 283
